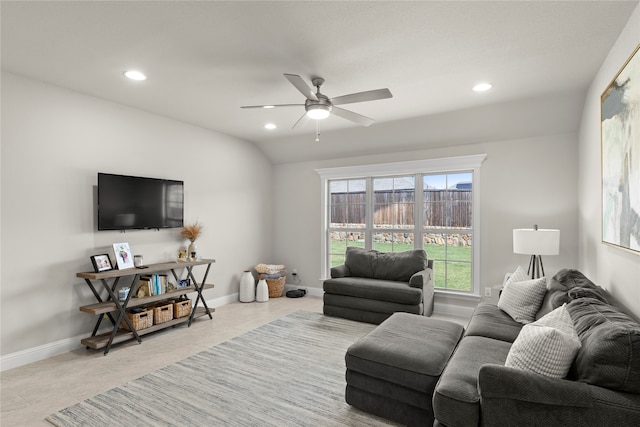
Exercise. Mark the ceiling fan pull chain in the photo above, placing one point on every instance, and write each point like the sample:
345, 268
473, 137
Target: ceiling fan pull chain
317, 130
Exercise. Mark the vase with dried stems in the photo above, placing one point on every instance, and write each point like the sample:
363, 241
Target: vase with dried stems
192, 232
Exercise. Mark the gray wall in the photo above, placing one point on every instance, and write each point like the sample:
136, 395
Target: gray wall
53, 143
608, 266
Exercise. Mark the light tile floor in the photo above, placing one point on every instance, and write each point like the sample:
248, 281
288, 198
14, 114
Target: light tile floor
32, 392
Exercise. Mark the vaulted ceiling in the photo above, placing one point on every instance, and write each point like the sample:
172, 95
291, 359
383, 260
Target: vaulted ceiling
205, 59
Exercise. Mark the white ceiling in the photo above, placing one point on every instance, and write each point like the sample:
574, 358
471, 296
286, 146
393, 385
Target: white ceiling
204, 59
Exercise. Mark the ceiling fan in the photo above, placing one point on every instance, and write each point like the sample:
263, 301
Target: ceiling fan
318, 106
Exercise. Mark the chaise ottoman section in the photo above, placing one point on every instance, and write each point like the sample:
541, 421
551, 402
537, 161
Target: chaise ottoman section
392, 371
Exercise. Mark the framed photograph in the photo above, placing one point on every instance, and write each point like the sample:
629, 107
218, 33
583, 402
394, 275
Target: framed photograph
620, 135
123, 255
101, 263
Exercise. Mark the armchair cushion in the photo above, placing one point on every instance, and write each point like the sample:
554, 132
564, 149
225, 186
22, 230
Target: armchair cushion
394, 266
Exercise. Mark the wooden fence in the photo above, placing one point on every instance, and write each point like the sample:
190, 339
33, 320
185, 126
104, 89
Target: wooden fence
442, 208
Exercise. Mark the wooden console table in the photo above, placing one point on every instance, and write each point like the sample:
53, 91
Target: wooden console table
114, 309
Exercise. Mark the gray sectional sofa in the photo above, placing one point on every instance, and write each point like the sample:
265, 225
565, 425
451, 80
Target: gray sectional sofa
477, 385
371, 285
601, 389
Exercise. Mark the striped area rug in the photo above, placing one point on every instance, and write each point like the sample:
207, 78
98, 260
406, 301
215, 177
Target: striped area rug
289, 372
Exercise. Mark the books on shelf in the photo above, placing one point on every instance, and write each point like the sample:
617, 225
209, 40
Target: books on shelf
151, 285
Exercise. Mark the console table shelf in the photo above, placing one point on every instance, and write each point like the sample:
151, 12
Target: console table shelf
109, 306
115, 310
102, 340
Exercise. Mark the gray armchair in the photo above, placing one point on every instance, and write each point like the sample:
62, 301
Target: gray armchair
371, 285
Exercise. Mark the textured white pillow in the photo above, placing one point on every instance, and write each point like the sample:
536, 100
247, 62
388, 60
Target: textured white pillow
522, 299
547, 346
517, 276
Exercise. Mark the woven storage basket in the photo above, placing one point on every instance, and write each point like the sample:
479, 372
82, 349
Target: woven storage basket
181, 308
139, 320
162, 313
276, 286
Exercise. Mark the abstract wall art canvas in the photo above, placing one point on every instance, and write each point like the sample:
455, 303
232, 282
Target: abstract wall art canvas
620, 135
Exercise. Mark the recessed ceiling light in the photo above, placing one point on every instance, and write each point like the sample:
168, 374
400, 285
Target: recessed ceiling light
268, 106
482, 87
270, 126
135, 75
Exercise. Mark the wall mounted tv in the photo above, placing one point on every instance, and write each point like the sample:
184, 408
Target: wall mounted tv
133, 202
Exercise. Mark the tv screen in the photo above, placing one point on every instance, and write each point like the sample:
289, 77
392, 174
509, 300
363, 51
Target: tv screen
133, 202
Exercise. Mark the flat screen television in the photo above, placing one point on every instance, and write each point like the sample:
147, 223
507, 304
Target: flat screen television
133, 202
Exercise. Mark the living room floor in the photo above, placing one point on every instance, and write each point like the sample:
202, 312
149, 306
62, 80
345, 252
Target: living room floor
32, 392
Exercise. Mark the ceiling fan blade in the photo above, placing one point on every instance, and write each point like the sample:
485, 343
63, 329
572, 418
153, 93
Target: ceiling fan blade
300, 84
301, 121
370, 95
272, 105
354, 117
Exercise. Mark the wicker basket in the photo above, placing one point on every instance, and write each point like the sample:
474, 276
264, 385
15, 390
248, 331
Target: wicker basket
139, 320
276, 286
162, 313
181, 308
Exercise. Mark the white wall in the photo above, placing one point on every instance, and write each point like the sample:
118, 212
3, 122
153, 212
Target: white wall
53, 144
524, 182
610, 267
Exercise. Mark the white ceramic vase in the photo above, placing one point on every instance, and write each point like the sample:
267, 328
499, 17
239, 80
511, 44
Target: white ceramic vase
262, 291
247, 287
192, 251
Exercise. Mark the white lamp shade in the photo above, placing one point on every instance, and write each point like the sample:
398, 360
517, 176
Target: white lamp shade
536, 242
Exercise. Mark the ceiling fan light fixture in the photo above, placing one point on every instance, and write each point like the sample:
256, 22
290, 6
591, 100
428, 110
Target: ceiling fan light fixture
318, 111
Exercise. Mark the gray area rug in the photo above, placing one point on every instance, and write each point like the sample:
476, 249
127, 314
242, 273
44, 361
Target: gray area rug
289, 372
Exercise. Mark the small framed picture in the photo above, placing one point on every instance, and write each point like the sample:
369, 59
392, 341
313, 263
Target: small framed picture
101, 263
124, 259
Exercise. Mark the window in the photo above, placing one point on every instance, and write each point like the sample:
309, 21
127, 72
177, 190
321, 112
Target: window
431, 204
447, 226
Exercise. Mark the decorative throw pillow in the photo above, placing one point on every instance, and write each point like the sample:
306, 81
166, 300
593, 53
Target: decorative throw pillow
547, 346
522, 299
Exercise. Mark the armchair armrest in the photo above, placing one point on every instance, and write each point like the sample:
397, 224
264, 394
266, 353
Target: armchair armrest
514, 397
422, 279
339, 271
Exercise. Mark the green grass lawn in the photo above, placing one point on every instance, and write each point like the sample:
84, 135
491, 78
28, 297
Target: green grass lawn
454, 274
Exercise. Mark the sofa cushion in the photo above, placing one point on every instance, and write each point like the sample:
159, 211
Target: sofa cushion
491, 322
559, 286
383, 290
522, 300
610, 353
456, 400
547, 346
394, 266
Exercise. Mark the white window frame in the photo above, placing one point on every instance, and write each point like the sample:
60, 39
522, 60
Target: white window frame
427, 166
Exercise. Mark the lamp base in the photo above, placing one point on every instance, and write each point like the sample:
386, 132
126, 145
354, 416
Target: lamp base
536, 269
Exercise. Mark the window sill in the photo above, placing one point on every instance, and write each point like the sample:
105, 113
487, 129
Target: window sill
457, 294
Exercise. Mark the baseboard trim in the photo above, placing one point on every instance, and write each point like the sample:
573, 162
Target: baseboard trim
45, 351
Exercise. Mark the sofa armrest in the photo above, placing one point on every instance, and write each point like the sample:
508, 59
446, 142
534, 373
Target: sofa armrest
339, 271
513, 397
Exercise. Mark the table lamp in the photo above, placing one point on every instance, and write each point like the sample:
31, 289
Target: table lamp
536, 242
